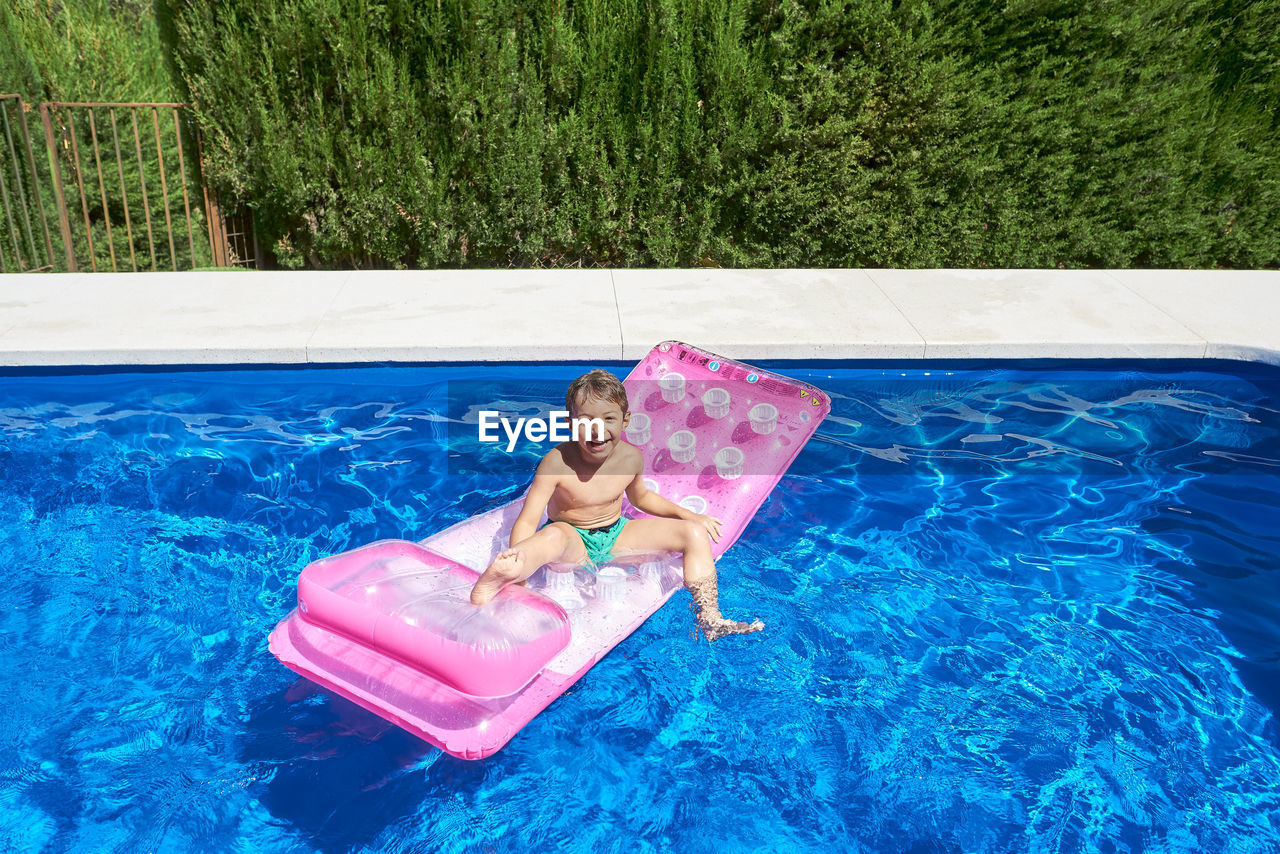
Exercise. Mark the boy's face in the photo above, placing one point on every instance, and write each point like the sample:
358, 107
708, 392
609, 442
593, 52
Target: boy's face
615, 421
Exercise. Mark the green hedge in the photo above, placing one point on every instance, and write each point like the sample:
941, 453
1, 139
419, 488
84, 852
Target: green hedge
82, 50
1034, 133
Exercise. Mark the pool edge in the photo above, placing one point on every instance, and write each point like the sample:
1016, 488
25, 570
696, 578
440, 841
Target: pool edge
234, 318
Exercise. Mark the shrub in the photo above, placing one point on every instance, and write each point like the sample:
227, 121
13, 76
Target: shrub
728, 132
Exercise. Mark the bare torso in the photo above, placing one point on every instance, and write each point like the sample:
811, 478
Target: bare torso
588, 497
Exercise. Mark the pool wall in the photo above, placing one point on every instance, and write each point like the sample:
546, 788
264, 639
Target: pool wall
244, 317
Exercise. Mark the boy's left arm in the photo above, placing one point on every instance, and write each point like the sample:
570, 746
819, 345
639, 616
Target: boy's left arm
646, 500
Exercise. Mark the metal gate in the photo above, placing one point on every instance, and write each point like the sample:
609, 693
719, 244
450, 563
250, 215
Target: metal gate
111, 186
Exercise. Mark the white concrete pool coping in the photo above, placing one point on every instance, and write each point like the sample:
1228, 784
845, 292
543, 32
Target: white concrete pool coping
245, 317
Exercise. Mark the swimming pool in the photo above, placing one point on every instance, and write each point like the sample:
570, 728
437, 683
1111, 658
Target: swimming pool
1007, 610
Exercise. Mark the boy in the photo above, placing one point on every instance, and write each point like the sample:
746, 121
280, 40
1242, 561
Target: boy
580, 484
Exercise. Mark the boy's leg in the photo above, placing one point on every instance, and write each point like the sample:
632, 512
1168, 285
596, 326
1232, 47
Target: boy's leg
694, 542
555, 542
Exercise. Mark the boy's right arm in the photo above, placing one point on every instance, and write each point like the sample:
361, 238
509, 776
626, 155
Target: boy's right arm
535, 502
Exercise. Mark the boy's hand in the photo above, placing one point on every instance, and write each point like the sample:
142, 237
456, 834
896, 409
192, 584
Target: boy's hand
711, 523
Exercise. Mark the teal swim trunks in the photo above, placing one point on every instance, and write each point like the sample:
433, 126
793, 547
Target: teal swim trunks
599, 541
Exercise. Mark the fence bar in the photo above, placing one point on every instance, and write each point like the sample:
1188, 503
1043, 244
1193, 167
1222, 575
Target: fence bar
13, 229
102, 188
4, 193
164, 190
111, 104
84, 202
146, 205
182, 171
17, 180
64, 224
35, 182
213, 216
124, 193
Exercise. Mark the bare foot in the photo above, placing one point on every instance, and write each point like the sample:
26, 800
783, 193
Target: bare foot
505, 566
716, 628
710, 620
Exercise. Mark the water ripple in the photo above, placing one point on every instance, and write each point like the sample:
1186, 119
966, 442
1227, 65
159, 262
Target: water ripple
1006, 611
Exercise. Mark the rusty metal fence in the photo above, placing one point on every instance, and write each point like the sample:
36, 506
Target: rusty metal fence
111, 186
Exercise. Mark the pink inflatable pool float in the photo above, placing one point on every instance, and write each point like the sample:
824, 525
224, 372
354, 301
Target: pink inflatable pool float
390, 625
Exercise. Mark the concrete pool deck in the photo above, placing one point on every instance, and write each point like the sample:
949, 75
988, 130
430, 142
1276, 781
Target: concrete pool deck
244, 317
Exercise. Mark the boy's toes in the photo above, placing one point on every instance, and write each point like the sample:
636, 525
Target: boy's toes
716, 629
509, 561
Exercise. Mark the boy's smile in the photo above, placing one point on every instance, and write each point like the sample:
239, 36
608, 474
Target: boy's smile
614, 420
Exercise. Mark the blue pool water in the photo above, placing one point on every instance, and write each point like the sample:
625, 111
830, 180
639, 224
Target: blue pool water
1007, 610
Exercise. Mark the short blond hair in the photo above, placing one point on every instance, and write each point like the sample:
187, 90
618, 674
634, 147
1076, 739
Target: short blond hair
597, 383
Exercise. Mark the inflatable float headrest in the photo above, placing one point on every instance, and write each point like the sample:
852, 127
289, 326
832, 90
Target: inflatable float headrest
414, 605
